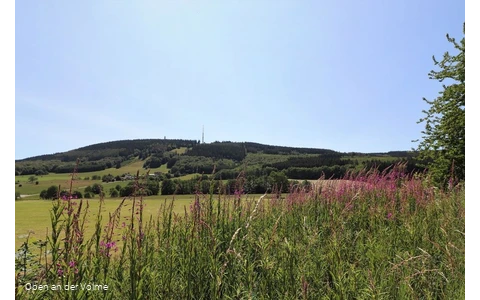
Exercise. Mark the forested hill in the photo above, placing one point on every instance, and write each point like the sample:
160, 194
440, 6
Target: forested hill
183, 157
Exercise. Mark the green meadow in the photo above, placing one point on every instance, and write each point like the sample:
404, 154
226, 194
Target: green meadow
33, 216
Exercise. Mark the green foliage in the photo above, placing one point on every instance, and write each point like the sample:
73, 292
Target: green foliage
168, 187
200, 164
97, 188
312, 161
108, 178
443, 143
97, 157
152, 187
77, 194
281, 150
149, 187
279, 181
31, 179
50, 193
227, 150
114, 193
154, 162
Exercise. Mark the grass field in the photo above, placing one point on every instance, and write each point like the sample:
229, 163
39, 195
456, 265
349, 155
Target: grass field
34, 215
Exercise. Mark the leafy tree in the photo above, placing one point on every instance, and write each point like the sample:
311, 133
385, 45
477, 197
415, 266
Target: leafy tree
50, 193
41, 172
279, 180
443, 141
32, 178
127, 190
108, 178
43, 194
152, 162
168, 187
153, 187
77, 194
96, 188
113, 193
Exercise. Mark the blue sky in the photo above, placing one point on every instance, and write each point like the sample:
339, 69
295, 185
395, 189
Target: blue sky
341, 75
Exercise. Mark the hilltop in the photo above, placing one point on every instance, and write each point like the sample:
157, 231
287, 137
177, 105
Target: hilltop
227, 159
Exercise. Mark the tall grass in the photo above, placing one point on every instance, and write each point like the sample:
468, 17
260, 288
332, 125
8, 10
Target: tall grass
373, 235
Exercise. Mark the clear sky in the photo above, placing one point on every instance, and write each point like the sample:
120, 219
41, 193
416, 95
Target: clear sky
341, 75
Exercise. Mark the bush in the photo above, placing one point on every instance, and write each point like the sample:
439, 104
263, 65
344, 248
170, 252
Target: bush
108, 178
77, 194
52, 192
97, 188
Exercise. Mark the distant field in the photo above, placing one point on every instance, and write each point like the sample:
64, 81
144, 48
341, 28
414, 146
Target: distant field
132, 168
63, 179
180, 150
363, 158
188, 176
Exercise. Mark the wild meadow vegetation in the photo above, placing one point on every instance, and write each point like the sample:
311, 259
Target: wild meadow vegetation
372, 235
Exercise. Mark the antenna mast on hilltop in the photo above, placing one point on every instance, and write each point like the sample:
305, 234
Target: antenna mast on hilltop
203, 134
